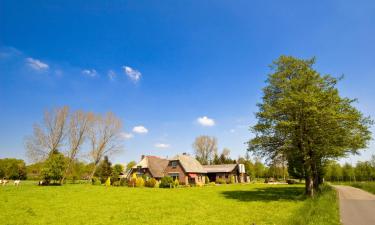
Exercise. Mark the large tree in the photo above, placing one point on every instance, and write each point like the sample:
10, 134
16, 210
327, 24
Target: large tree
304, 118
104, 137
79, 122
205, 149
48, 136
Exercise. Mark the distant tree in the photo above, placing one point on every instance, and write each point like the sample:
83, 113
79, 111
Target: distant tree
348, 172
364, 171
48, 136
117, 169
130, 165
205, 149
259, 169
14, 169
303, 117
216, 160
77, 131
54, 167
104, 169
104, 137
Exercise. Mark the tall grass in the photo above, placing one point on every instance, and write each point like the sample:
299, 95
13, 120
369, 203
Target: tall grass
367, 186
323, 209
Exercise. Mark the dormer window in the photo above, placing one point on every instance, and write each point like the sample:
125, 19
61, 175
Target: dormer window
174, 164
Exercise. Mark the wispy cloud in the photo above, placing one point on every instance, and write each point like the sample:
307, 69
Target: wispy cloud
140, 129
133, 74
161, 145
90, 72
126, 136
111, 75
205, 121
36, 64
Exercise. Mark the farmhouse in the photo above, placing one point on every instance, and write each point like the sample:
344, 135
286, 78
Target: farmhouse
150, 166
225, 171
187, 170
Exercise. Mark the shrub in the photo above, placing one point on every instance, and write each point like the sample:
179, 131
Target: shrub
221, 181
54, 167
116, 183
122, 182
176, 183
151, 182
212, 184
231, 179
108, 182
166, 182
95, 181
132, 182
206, 180
139, 182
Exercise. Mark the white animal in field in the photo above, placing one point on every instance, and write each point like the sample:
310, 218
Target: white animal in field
1, 181
5, 182
17, 182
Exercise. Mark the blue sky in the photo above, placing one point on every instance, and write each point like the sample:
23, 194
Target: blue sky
177, 69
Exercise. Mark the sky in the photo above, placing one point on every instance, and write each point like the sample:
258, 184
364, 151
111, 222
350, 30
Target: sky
172, 70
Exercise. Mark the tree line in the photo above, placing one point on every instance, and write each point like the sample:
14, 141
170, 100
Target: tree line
361, 171
57, 142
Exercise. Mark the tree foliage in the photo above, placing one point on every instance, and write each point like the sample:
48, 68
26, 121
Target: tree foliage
303, 117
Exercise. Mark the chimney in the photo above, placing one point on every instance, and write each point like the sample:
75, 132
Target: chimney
142, 157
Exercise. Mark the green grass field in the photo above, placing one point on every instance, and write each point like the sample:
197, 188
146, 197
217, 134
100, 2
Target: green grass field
226, 204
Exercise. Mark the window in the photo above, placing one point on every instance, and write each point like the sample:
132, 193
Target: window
174, 164
174, 176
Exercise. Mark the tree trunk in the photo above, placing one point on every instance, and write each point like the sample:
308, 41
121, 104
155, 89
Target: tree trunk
93, 172
309, 186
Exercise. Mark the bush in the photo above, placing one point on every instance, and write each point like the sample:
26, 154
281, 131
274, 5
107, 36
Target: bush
116, 183
151, 183
123, 182
132, 182
139, 182
231, 180
166, 182
206, 180
221, 181
176, 183
95, 181
108, 182
212, 184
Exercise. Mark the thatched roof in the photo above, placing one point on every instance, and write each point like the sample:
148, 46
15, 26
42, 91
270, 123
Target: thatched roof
154, 164
190, 164
223, 168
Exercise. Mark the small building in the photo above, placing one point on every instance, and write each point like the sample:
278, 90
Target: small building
225, 171
150, 166
186, 169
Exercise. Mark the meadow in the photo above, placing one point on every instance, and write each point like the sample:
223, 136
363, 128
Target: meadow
224, 204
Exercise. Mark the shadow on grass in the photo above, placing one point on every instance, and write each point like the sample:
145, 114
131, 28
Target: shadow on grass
267, 194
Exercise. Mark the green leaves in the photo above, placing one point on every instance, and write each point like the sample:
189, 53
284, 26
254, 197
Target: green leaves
303, 117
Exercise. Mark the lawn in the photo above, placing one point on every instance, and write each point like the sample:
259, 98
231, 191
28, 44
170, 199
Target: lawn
225, 204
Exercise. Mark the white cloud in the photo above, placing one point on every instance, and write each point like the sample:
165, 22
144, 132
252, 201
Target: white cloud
111, 74
36, 64
90, 72
205, 121
125, 135
140, 130
133, 74
161, 145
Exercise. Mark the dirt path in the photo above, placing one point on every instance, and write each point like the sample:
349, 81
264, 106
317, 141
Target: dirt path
357, 207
